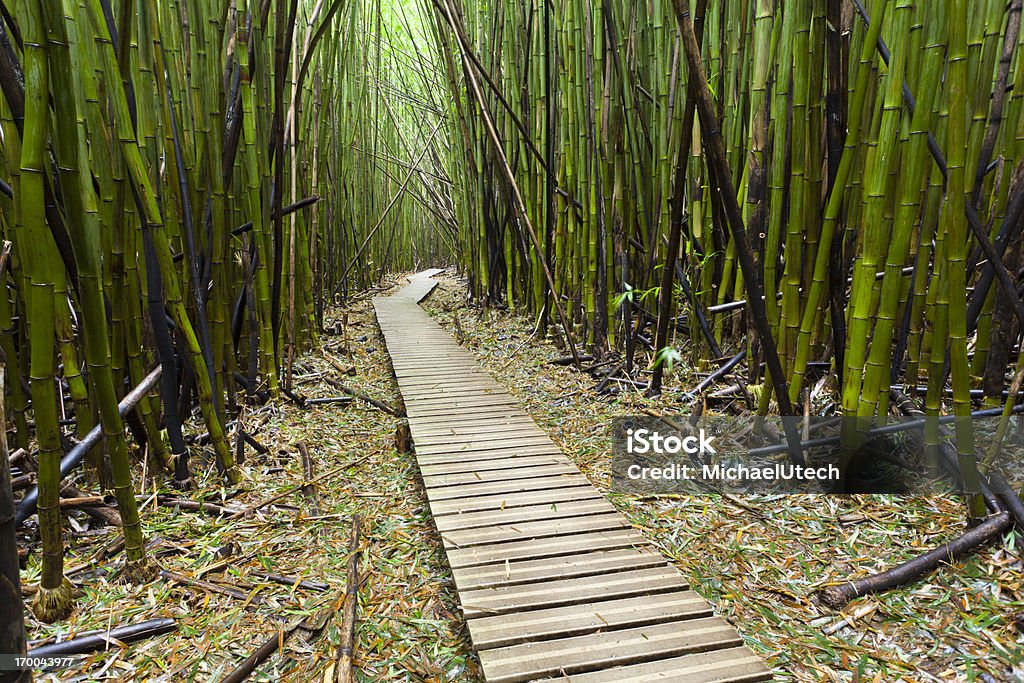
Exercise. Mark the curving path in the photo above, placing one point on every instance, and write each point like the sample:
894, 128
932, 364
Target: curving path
554, 583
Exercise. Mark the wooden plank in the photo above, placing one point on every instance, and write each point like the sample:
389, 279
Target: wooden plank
505, 500
488, 488
474, 406
572, 620
587, 563
498, 464
536, 549
501, 533
450, 392
484, 445
484, 456
730, 665
465, 433
527, 513
478, 435
596, 651
480, 413
475, 430
455, 421
498, 475
521, 598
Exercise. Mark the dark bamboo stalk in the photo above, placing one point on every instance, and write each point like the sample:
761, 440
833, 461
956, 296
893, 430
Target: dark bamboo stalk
212, 587
12, 612
308, 489
75, 455
711, 134
363, 397
101, 640
837, 597
678, 204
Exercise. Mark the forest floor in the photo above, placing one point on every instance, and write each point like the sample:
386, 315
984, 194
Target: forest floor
757, 559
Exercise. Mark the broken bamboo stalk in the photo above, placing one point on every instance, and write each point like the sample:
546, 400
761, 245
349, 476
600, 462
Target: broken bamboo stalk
107, 514
363, 397
308, 489
274, 643
75, 455
344, 400
72, 503
212, 587
343, 670
189, 505
292, 489
94, 641
837, 597
290, 581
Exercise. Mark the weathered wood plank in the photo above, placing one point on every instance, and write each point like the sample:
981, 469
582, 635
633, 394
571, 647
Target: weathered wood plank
731, 665
510, 486
529, 513
586, 563
484, 456
506, 500
484, 445
522, 530
499, 464
442, 439
578, 619
536, 549
521, 598
499, 475
596, 651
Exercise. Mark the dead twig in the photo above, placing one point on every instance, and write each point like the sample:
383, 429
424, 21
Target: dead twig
363, 397
292, 489
344, 672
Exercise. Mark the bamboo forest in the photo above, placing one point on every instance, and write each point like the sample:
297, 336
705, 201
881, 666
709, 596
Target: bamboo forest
379, 340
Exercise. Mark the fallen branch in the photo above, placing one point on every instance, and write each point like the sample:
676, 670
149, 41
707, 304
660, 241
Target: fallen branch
298, 399
260, 448
349, 370
608, 378
94, 641
363, 397
568, 360
720, 372
344, 400
290, 581
837, 597
83, 502
212, 587
292, 489
105, 513
190, 505
76, 454
271, 645
344, 672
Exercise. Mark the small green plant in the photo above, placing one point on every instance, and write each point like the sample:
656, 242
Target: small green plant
668, 356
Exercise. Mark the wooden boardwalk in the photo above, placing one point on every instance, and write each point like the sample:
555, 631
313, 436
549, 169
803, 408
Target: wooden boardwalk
554, 583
